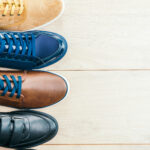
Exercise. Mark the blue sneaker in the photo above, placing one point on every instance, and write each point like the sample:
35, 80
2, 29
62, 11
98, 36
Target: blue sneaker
31, 49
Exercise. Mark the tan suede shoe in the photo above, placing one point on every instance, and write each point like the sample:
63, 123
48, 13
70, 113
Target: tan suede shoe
20, 15
33, 89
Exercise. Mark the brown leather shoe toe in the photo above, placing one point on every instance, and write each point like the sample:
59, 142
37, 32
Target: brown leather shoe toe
33, 89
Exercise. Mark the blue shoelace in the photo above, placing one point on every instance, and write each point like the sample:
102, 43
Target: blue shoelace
18, 44
8, 88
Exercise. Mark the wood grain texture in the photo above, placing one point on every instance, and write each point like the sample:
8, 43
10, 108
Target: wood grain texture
88, 147
96, 147
105, 34
103, 108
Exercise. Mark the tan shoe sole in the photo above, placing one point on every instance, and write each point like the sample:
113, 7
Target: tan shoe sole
37, 13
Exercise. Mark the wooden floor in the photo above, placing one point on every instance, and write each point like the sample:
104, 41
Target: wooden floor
108, 67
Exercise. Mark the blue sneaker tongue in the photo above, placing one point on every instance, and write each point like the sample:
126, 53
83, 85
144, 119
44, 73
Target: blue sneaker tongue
45, 46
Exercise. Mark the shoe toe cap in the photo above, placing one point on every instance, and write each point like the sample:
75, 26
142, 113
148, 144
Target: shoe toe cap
45, 46
46, 89
42, 129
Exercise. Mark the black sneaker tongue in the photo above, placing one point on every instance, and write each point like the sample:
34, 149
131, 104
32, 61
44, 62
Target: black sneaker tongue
5, 129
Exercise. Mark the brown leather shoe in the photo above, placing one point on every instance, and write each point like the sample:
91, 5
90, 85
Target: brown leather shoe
33, 89
20, 15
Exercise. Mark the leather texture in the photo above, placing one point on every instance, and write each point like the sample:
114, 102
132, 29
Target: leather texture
25, 129
38, 89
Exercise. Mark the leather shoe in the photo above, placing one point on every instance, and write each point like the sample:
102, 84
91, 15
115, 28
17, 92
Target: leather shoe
24, 129
31, 89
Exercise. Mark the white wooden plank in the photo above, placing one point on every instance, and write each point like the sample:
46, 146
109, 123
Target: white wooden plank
88, 147
103, 108
105, 34
96, 147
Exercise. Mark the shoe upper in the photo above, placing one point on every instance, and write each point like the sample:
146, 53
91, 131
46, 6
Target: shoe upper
30, 50
23, 15
32, 89
26, 129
